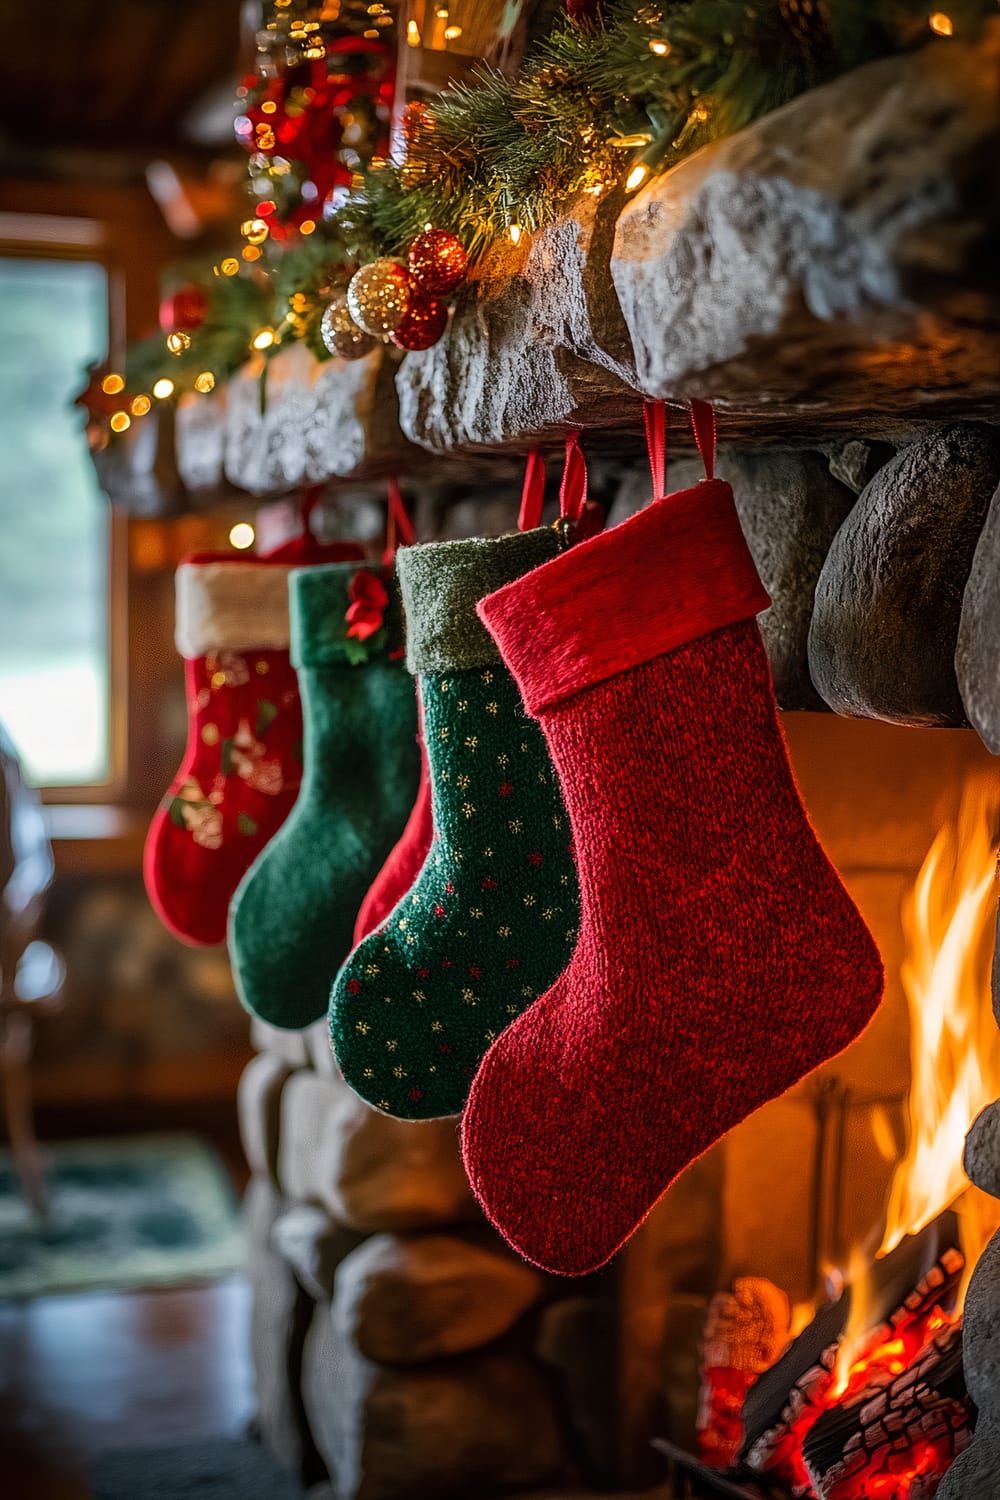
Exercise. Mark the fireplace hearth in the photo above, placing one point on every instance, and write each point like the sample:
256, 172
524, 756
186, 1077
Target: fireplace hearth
568, 1384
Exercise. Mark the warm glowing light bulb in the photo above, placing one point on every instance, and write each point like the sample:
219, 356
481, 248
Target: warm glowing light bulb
636, 177
242, 536
254, 230
661, 49
250, 252
263, 338
204, 382
442, 12
514, 231
121, 421
178, 341
452, 33
307, 226
269, 107
140, 406
230, 266
941, 24
112, 384
163, 388
412, 34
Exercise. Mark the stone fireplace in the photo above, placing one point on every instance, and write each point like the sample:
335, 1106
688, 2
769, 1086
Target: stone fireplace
811, 278
404, 1352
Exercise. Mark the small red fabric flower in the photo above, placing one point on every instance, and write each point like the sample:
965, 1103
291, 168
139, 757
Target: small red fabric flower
353, 987
489, 884
505, 788
367, 609
536, 860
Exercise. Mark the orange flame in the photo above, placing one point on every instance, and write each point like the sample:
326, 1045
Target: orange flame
948, 922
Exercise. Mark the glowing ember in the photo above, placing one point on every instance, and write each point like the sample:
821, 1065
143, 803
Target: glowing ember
883, 1412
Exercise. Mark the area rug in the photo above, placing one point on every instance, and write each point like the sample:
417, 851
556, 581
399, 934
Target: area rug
150, 1210
216, 1469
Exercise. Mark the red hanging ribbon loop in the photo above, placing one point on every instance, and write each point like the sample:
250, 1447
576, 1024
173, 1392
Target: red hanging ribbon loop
308, 501
655, 416
703, 422
399, 530
573, 490
533, 492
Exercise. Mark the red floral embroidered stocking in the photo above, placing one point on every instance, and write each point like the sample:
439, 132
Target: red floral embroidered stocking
242, 766
720, 958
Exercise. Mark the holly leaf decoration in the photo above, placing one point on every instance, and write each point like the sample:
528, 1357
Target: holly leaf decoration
361, 651
227, 757
267, 712
177, 812
246, 825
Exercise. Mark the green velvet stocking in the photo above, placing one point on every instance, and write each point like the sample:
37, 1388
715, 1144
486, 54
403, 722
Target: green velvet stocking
491, 919
291, 919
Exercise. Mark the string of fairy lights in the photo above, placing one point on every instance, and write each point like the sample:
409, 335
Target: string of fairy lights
352, 242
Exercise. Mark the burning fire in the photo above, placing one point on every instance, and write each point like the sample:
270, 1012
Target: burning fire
948, 922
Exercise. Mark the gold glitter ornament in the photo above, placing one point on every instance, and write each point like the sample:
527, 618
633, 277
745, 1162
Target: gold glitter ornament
379, 296
341, 335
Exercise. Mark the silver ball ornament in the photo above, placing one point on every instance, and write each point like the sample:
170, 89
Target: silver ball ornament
341, 335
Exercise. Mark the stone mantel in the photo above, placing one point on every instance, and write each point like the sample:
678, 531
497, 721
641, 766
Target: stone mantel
827, 273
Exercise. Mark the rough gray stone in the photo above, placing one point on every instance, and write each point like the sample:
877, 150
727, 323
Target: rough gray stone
977, 654
319, 1051
577, 1339
337, 418
982, 1150
532, 346
310, 1242
258, 1107
790, 508
797, 260
369, 1172
976, 1474
200, 440
856, 462
407, 1301
889, 598
290, 1046
280, 1316
475, 1425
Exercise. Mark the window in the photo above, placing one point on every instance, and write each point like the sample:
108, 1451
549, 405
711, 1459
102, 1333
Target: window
54, 523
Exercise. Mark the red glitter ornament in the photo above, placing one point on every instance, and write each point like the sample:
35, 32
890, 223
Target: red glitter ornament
437, 262
424, 321
185, 310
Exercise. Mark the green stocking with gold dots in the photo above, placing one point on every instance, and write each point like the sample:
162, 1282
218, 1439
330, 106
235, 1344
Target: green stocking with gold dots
491, 919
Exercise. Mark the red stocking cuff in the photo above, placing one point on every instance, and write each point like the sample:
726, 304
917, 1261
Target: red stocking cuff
676, 571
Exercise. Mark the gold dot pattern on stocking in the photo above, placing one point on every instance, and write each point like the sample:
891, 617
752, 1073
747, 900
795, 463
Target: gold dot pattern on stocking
476, 939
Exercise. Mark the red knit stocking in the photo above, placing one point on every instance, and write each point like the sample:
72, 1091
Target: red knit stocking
406, 860
720, 958
243, 762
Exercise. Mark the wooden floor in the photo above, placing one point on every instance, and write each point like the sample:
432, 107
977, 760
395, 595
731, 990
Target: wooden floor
88, 1374
101, 1371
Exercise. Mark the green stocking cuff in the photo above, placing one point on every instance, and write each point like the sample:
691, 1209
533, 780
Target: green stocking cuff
441, 584
319, 599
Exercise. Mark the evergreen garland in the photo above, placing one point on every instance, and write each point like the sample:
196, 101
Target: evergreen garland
636, 83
